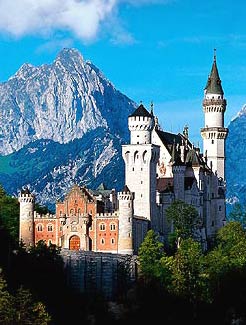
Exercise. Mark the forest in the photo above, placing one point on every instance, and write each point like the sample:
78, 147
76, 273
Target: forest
177, 283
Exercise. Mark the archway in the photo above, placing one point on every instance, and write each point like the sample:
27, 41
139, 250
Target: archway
74, 243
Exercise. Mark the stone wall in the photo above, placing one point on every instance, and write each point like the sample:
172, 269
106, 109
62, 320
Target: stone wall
92, 272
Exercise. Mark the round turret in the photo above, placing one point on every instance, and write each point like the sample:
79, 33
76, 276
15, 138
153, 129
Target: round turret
140, 124
26, 228
125, 198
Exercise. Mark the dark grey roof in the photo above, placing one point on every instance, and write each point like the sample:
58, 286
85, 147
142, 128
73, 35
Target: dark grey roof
25, 191
125, 189
169, 139
213, 85
141, 111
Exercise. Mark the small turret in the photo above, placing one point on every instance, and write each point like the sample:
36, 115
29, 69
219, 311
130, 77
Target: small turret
26, 228
140, 124
125, 198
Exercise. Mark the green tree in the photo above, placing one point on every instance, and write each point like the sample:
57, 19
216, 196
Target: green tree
226, 271
2, 192
28, 311
149, 255
9, 214
6, 303
187, 271
232, 240
184, 218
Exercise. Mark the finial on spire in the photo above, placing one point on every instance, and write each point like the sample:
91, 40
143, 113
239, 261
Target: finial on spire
186, 131
141, 102
151, 108
214, 54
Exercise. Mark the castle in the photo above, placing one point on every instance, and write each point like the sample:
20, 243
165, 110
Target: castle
160, 167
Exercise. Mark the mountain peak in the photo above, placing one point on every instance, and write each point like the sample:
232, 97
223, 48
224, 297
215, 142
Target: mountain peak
70, 56
68, 53
24, 71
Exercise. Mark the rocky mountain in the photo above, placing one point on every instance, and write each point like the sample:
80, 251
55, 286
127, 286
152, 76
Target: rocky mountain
236, 160
59, 124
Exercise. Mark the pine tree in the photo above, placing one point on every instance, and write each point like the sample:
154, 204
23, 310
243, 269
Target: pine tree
6, 304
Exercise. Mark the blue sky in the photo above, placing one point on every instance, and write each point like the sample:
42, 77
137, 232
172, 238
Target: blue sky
151, 50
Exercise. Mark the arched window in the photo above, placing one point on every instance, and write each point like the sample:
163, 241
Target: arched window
102, 226
127, 154
112, 226
40, 227
50, 227
136, 155
144, 156
102, 241
112, 241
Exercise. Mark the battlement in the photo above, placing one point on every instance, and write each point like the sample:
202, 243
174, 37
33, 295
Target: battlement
140, 123
107, 215
178, 169
44, 216
125, 196
212, 101
26, 198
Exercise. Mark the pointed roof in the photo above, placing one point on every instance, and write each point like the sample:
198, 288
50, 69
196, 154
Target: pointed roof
126, 189
25, 191
141, 111
213, 85
101, 187
169, 139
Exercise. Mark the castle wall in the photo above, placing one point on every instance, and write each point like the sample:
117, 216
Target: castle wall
46, 228
106, 229
105, 273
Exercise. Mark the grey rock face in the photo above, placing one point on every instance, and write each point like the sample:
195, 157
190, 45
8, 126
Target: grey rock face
236, 160
59, 124
61, 102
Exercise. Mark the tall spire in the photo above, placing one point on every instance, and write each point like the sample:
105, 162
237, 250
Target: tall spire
214, 83
152, 108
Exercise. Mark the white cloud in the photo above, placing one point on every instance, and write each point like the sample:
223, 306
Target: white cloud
83, 18
145, 2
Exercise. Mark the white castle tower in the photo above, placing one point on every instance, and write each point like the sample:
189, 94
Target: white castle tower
26, 228
125, 245
140, 158
214, 133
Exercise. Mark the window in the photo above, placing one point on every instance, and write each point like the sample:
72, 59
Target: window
102, 226
112, 241
50, 228
40, 228
212, 141
112, 226
102, 241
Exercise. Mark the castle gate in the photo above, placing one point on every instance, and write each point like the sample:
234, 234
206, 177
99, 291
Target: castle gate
74, 243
